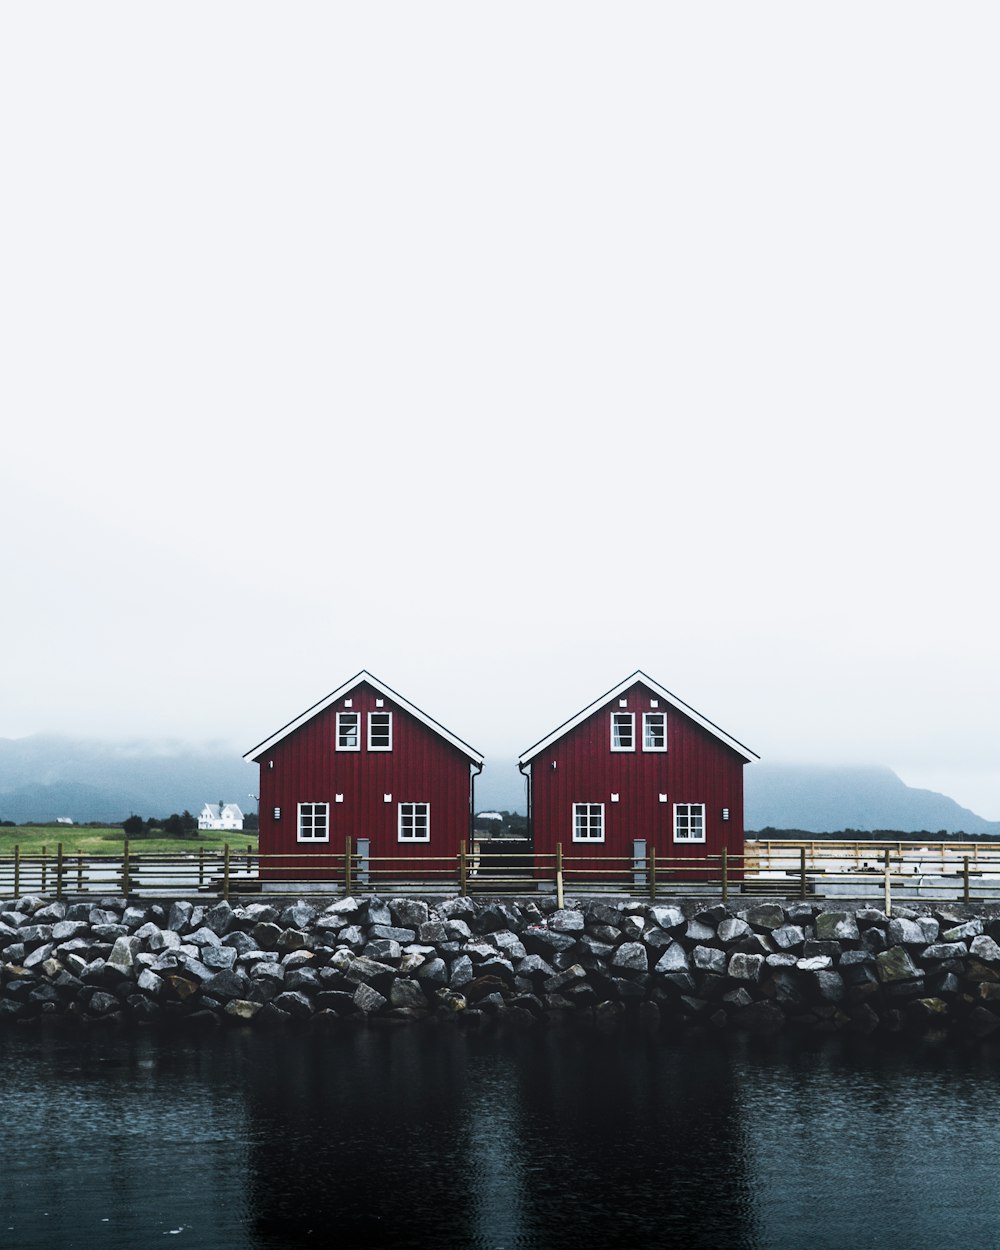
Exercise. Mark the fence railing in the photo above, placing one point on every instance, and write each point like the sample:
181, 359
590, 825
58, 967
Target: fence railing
875, 871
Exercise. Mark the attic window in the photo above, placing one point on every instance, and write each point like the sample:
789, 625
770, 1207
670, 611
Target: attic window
348, 731
379, 731
348, 703
654, 703
623, 731
380, 702
654, 731
623, 702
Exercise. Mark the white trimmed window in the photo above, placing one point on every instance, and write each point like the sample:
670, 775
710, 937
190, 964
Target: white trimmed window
314, 822
689, 822
623, 731
348, 731
414, 822
654, 731
379, 731
588, 822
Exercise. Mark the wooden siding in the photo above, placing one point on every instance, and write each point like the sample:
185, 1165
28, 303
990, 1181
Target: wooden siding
696, 768
306, 767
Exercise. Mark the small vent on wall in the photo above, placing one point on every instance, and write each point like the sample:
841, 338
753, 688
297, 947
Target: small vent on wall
338, 798
277, 813
614, 798
725, 813
663, 798
386, 798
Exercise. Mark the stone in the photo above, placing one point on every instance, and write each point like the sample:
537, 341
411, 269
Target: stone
566, 921
409, 913
971, 929
817, 963
745, 967
218, 957
837, 926
673, 959
984, 948
904, 932
226, 985
632, 956
667, 917
242, 1009
766, 917
896, 965
732, 929
761, 1017
698, 932
461, 973
406, 993
788, 936
709, 959
123, 953
297, 1004
203, 936
945, 950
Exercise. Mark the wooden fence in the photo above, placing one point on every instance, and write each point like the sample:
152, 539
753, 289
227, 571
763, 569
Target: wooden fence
874, 871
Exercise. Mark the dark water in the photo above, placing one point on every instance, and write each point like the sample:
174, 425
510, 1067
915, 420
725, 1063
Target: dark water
435, 1138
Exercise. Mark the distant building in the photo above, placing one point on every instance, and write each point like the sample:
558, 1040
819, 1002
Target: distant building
64, 820
220, 816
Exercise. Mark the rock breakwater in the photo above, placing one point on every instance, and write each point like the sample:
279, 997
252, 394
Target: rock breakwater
759, 968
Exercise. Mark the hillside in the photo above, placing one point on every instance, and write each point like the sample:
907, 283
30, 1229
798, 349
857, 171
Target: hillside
44, 776
819, 799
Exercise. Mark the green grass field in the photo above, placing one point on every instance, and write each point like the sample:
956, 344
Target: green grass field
82, 840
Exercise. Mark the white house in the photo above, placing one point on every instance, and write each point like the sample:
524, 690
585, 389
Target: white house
220, 816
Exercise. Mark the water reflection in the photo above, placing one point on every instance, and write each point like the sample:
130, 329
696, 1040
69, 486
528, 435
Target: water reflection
433, 1138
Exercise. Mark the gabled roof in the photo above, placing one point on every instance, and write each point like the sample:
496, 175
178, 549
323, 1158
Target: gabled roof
662, 693
382, 688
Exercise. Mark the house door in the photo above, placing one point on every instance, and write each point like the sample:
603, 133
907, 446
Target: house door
364, 850
639, 876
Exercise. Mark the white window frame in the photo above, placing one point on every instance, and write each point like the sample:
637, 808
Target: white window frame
308, 812
647, 717
617, 717
407, 816
687, 814
342, 732
388, 718
583, 816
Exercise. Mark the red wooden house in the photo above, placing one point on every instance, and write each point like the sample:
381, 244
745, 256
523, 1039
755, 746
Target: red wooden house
367, 764
636, 770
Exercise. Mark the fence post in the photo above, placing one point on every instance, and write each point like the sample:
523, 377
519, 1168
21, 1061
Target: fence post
802, 872
126, 883
725, 875
59, 870
79, 874
559, 875
966, 895
45, 851
652, 873
17, 871
463, 869
201, 866
888, 884
225, 871
348, 864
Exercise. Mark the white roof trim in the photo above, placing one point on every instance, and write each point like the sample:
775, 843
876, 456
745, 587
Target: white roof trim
658, 690
346, 688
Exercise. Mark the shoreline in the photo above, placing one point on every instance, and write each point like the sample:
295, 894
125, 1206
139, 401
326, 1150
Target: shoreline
763, 968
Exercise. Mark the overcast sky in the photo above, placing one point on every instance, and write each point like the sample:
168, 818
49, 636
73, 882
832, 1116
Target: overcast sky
503, 350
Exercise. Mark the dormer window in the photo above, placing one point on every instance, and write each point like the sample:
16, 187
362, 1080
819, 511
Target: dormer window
623, 731
379, 731
654, 731
348, 731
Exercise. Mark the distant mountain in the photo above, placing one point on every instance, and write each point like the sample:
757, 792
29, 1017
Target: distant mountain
44, 776
822, 799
